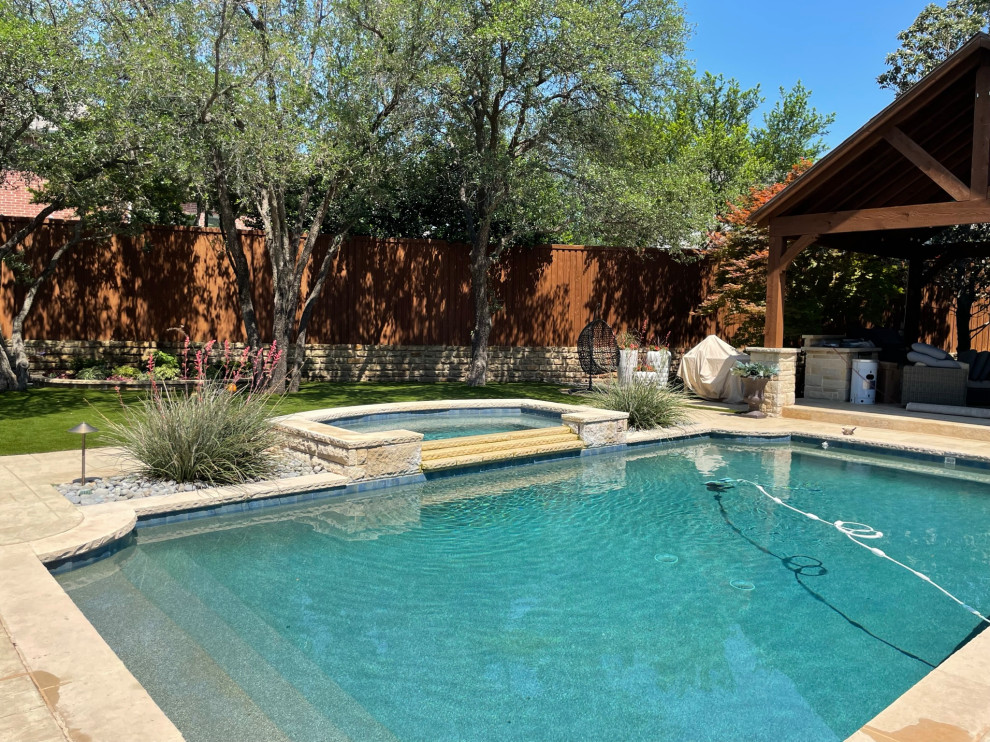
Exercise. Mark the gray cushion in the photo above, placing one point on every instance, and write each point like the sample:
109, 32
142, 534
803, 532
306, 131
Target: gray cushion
967, 357
982, 372
929, 350
933, 362
979, 365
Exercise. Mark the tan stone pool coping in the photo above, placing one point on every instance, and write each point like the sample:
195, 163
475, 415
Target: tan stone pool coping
59, 680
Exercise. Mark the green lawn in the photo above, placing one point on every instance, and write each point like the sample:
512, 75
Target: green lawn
36, 421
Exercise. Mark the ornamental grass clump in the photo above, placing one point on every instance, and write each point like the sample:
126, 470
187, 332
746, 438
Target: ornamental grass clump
649, 405
205, 430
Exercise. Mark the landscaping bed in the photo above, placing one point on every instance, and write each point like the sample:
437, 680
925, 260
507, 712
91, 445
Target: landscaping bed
134, 486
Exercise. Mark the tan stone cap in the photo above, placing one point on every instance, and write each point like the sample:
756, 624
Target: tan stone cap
84, 684
104, 524
342, 438
101, 525
441, 405
594, 415
780, 351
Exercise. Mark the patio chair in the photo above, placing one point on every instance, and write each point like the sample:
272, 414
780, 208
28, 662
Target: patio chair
978, 385
933, 385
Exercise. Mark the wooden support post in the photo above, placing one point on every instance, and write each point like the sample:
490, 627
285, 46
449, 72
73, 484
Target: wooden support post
980, 166
773, 334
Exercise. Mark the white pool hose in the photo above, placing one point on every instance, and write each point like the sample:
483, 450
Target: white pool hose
855, 531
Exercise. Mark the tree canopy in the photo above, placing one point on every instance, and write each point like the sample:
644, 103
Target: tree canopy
828, 290
286, 115
79, 140
935, 34
496, 123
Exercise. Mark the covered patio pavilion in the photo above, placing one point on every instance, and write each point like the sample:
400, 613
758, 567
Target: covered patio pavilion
922, 164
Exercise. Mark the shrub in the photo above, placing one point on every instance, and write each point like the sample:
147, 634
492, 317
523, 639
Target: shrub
212, 435
93, 373
78, 364
755, 370
648, 405
219, 433
165, 360
166, 373
125, 372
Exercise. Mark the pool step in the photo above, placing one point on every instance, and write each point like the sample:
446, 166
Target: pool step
472, 444
511, 436
472, 450
253, 656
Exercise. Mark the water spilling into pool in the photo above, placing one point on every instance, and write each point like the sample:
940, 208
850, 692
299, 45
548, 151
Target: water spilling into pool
607, 597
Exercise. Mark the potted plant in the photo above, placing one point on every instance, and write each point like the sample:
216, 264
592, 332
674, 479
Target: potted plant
755, 377
628, 343
658, 356
647, 374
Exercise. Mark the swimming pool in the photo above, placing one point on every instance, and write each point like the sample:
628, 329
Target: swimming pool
436, 424
602, 597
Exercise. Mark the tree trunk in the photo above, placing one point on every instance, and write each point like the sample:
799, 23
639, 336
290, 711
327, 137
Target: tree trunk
964, 314
281, 334
16, 367
299, 356
234, 249
912, 301
478, 371
8, 379
21, 365
283, 315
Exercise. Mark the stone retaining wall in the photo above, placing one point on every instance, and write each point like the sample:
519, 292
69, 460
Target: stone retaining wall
348, 362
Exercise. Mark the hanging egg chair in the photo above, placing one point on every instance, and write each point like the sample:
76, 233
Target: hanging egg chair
597, 350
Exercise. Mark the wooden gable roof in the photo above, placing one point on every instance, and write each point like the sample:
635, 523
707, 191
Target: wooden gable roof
921, 164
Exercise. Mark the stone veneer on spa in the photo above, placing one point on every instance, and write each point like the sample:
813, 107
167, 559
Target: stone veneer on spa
391, 453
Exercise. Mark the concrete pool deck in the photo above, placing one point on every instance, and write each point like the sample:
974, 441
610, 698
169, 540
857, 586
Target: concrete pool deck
59, 680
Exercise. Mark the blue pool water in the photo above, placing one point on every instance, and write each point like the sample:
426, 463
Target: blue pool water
451, 423
610, 597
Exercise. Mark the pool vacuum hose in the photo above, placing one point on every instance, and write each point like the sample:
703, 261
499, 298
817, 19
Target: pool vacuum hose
851, 530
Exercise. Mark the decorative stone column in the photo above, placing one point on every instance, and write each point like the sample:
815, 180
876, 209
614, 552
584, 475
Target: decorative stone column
598, 427
780, 390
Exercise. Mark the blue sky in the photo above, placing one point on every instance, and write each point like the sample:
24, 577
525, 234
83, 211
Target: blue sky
836, 48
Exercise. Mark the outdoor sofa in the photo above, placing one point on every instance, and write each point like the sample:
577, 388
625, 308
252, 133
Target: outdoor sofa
965, 380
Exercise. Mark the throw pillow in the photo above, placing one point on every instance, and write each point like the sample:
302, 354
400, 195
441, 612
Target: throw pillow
929, 350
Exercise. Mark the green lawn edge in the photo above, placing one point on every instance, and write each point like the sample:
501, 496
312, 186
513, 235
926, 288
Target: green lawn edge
37, 421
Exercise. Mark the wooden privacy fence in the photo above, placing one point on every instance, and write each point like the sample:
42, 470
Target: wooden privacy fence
382, 292
388, 292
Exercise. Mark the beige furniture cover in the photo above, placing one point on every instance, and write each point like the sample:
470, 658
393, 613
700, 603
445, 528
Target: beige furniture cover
706, 369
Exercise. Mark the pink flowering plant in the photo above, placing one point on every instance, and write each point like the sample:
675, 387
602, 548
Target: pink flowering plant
212, 424
627, 340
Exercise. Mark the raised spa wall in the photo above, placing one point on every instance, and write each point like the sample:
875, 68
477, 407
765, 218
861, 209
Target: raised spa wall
395, 453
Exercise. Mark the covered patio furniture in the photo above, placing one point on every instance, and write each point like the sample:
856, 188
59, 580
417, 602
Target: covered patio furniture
706, 370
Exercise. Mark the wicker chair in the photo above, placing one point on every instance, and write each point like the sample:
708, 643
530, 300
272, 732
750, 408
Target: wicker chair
933, 385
